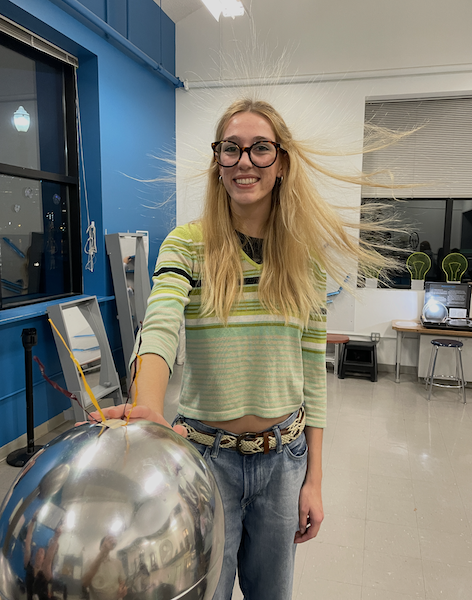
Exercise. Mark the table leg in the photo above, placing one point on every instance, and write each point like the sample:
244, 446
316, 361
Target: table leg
398, 355
336, 359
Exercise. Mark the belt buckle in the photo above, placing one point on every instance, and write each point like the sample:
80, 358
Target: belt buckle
244, 437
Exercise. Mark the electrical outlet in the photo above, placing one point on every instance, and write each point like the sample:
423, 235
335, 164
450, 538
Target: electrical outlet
375, 337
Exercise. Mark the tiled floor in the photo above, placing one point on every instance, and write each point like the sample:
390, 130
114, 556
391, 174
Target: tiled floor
397, 495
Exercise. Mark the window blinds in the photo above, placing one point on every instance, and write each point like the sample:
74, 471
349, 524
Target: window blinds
438, 156
31, 39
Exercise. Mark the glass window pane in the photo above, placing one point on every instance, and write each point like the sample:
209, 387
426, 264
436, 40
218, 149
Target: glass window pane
461, 234
34, 240
31, 112
425, 219
18, 85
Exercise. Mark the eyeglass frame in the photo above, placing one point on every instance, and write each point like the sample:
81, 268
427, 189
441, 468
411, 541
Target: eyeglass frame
248, 150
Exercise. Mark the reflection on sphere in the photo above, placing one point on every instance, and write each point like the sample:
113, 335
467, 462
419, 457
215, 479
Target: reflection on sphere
104, 514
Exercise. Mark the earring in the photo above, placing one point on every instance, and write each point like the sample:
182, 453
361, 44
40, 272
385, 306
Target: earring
280, 180
220, 179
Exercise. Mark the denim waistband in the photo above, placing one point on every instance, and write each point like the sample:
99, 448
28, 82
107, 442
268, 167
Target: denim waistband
203, 427
218, 432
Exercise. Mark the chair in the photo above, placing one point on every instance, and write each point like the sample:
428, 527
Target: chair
336, 340
418, 263
454, 265
458, 377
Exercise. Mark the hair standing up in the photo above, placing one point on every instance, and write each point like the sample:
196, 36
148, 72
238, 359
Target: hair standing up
305, 236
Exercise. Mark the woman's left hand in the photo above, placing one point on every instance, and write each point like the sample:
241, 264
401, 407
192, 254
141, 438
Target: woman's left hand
310, 511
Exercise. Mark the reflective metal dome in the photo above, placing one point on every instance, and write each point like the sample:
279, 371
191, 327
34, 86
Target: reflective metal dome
435, 311
103, 514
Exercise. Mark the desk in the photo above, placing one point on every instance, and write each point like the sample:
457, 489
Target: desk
414, 327
337, 340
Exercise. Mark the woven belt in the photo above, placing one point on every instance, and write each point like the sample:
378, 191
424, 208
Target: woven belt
250, 443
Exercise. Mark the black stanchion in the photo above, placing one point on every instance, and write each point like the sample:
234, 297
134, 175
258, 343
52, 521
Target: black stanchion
18, 458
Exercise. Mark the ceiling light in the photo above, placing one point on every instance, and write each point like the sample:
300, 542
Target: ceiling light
232, 8
214, 7
21, 119
229, 8
70, 519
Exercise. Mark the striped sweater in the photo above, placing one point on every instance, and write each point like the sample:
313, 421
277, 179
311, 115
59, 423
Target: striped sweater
255, 365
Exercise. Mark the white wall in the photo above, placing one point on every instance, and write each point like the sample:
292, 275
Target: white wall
341, 37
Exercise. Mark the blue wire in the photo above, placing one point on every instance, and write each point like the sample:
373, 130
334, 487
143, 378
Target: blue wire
11, 286
338, 291
13, 247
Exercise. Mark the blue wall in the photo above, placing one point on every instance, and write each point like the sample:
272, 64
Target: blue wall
127, 114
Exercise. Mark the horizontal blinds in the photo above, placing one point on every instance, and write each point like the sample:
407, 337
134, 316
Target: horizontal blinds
438, 156
27, 37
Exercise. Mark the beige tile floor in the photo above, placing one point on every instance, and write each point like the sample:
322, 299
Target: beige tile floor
397, 495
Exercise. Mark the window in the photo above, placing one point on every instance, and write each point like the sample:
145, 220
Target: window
40, 248
438, 157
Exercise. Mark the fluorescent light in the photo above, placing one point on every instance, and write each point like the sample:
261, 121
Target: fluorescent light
229, 8
70, 519
214, 7
232, 8
116, 526
153, 482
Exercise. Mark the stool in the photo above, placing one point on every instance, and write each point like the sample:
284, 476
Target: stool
360, 357
336, 340
459, 376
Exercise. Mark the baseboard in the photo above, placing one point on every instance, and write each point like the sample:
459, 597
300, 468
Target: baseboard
384, 368
69, 414
404, 369
39, 431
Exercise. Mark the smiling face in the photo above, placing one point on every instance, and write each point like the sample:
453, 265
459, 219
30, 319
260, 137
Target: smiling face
250, 187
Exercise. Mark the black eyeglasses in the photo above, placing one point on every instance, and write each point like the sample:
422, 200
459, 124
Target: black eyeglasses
262, 154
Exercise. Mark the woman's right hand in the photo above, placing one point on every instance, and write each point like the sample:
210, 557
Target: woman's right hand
138, 413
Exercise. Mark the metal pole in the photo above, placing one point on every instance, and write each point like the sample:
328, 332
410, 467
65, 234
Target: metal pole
29, 339
18, 458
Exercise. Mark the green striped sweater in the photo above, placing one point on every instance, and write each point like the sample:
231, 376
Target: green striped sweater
255, 365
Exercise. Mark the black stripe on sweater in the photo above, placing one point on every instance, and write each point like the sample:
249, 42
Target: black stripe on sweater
193, 282
176, 271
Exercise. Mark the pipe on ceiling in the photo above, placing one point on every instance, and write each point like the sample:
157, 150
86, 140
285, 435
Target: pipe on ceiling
112, 33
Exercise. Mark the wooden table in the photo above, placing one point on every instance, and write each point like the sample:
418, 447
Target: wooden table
337, 340
402, 327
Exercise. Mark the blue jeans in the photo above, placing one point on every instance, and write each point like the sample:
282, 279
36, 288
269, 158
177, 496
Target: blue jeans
260, 498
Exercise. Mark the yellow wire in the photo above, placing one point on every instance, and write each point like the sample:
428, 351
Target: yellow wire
75, 361
140, 360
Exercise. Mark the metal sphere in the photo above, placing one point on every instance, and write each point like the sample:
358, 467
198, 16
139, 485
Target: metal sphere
104, 514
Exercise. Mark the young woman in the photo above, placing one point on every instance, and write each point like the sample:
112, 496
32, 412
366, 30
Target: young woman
249, 280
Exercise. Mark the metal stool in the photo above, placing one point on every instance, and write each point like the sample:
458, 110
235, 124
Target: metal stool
459, 376
336, 340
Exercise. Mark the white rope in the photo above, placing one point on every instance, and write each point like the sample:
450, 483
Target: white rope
90, 247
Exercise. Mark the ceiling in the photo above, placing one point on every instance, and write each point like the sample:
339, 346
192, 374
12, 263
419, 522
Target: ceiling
179, 9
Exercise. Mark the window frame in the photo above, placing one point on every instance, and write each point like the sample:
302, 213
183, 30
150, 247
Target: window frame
435, 157
70, 179
447, 228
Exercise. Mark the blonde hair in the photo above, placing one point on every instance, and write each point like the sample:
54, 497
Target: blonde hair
302, 231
